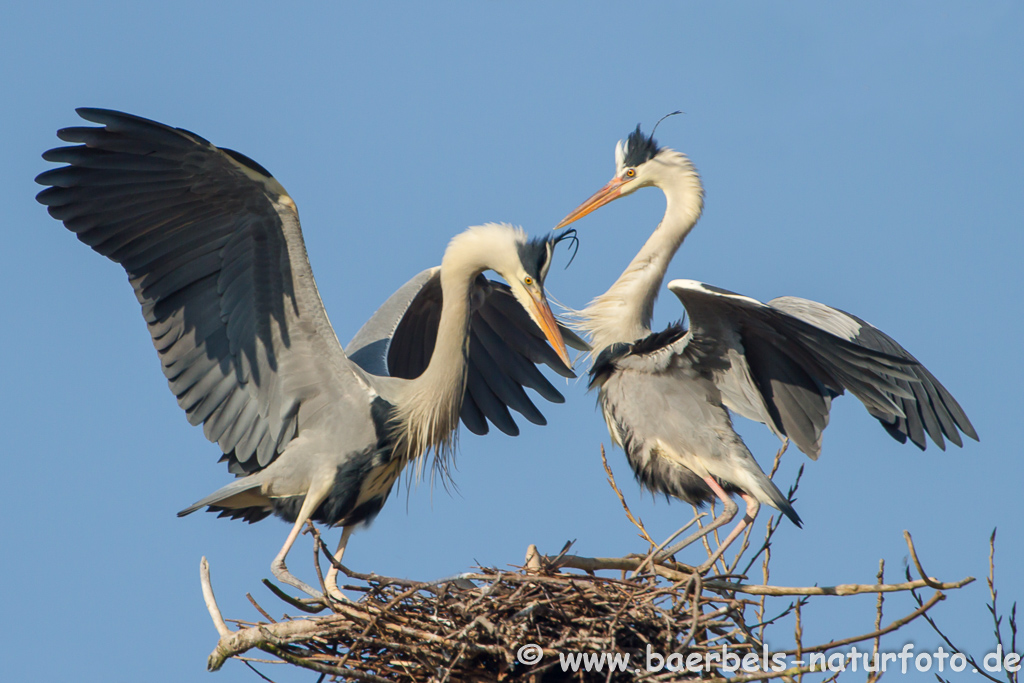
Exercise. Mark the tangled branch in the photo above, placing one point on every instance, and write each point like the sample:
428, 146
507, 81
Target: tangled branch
471, 627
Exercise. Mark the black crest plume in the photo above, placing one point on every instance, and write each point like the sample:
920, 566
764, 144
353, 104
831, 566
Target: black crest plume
574, 242
640, 147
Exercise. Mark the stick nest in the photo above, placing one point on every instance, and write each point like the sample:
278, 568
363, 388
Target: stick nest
473, 627
521, 624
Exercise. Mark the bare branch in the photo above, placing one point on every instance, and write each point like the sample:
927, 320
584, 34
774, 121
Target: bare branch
471, 627
622, 499
832, 644
678, 571
210, 600
931, 583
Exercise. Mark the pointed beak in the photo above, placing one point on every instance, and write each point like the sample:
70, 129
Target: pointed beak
545, 319
608, 193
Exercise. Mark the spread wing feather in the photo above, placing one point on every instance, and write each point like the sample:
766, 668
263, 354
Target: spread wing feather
505, 346
782, 370
930, 410
213, 249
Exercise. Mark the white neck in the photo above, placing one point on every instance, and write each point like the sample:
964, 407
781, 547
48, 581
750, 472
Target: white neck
624, 312
429, 406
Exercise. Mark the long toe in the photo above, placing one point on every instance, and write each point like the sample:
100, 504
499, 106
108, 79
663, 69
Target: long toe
331, 584
692, 538
721, 520
283, 575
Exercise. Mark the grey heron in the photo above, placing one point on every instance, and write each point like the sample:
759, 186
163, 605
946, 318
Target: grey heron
667, 396
213, 249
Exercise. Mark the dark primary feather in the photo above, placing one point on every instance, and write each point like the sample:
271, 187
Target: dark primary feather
529, 335
504, 345
245, 161
932, 410
797, 401
207, 251
797, 367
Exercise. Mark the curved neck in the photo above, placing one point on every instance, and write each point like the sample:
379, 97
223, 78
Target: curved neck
623, 313
427, 413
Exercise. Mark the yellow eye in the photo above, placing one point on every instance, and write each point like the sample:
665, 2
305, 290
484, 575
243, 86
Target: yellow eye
630, 172
528, 280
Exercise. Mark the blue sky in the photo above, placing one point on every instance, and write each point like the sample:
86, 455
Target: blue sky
870, 158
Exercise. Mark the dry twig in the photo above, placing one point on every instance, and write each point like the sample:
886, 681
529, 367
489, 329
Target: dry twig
471, 628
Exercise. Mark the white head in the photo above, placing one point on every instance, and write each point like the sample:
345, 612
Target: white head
624, 312
523, 262
428, 411
639, 162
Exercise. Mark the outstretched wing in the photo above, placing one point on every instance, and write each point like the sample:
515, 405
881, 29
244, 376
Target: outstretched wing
505, 346
212, 246
778, 369
932, 410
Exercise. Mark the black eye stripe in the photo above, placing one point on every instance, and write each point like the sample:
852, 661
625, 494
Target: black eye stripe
534, 256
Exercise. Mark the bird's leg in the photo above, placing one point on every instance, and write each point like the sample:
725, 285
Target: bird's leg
748, 518
309, 505
331, 580
727, 514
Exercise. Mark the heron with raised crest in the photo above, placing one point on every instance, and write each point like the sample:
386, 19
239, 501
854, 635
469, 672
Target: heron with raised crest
668, 396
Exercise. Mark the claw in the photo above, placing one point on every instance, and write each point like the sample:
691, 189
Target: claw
282, 574
727, 515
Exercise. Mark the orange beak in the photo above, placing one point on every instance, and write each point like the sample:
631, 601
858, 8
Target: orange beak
546, 321
608, 193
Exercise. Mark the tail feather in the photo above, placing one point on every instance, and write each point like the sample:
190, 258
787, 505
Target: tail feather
241, 493
769, 493
785, 508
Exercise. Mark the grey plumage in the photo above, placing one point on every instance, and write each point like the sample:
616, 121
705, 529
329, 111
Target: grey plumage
667, 397
673, 389
931, 410
213, 249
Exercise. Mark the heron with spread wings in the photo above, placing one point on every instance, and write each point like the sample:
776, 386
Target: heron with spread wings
212, 246
667, 397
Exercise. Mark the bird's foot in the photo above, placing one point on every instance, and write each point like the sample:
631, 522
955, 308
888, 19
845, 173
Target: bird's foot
282, 574
729, 511
667, 553
331, 585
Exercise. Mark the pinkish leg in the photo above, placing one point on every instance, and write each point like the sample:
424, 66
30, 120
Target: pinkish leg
752, 508
727, 515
